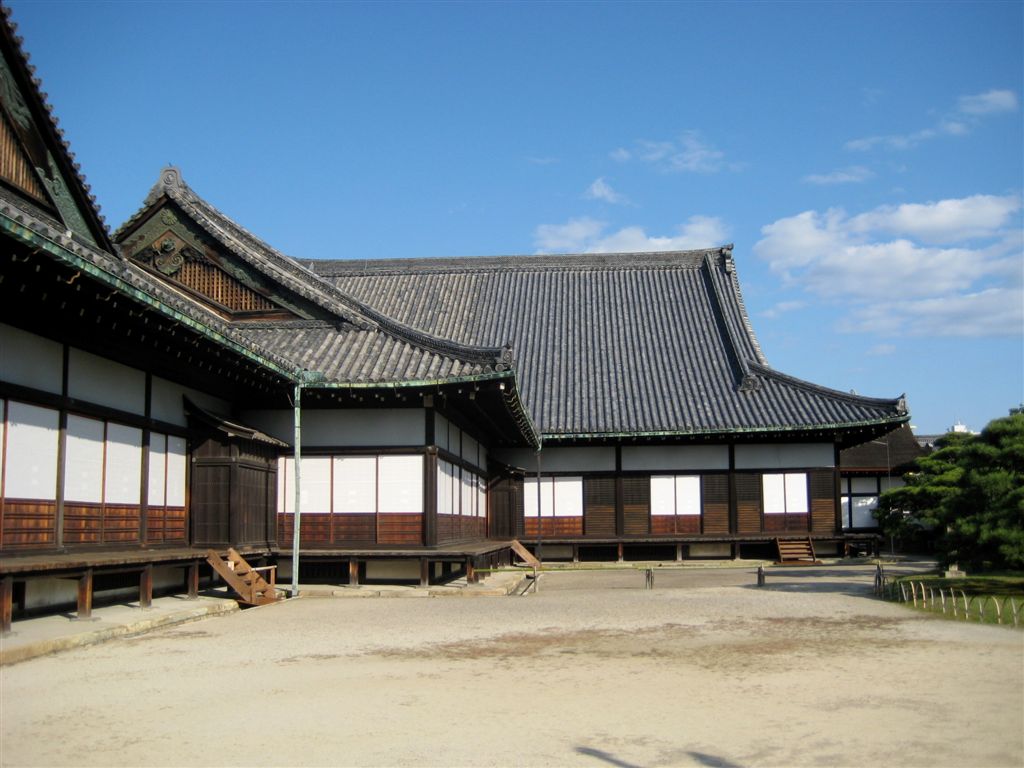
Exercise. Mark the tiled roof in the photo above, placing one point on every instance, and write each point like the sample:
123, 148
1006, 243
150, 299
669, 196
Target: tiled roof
613, 344
364, 346
48, 124
894, 452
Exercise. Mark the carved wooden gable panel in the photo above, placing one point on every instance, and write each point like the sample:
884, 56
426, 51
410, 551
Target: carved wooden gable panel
169, 245
14, 166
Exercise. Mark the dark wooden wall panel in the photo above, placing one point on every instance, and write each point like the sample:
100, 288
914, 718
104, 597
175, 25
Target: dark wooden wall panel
554, 526
599, 506
823, 502
748, 503
354, 529
121, 523
164, 525
636, 505
28, 524
400, 528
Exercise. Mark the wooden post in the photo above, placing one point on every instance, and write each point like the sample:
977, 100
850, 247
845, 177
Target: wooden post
353, 573
575, 553
192, 580
620, 551
679, 553
470, 571
146, 587
85, 595
6, 603
424, 572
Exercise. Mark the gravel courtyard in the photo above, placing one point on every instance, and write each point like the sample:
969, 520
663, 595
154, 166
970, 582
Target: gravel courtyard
704, 670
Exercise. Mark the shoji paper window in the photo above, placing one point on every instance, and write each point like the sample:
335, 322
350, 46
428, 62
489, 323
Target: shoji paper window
83, 461
675, 495
560, 497
31, 458
123, 465
176, 478
785, 493
316, 485
400, 483
355, 484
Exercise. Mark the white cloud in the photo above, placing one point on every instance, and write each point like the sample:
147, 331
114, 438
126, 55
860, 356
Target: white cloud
602, 190
687, 154
570, 236
946, 221
588, 236
853, 174
949, 267
969, 111
988, 103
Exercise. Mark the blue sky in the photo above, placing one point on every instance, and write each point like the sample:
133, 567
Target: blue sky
865, 158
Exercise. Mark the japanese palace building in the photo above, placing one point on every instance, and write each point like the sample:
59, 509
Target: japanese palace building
148, 382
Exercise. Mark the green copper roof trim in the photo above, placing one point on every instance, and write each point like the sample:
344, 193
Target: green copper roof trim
554, 436
30, 237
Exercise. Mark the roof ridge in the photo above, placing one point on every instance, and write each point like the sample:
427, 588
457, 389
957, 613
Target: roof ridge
522, 262
900, 402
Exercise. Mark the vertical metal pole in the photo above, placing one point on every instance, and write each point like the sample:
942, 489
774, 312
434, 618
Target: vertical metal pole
540, 523
297, 520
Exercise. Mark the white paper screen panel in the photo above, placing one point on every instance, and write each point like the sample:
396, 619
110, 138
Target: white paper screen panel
663, 495
688, 495
176, 468
400, 481
157, 483
98, 380
568, 497
468, 491
83, 460
30, 360
774, 489
355, 484
123, 465
796, 493
315, 493
31, 457
286, 485
530, 497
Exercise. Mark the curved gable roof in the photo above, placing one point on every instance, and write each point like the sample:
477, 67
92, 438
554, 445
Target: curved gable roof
623, 345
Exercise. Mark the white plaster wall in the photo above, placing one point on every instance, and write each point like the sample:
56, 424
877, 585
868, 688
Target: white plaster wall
30, 360
785, 456
167, 402
675, 457
97, 380
559, 459
327, 428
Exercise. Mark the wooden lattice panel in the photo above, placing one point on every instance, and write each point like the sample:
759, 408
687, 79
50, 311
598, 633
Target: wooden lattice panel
218, 286
14, 167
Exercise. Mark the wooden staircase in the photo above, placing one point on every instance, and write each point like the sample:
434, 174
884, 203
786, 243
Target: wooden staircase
247, 582
796, 552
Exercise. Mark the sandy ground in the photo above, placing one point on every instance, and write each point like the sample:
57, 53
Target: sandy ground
705, 670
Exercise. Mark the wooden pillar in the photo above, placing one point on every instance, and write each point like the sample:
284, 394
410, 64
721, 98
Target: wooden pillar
575, 553
620, 551
424, 572
85, 595
679, 553
146, 587
353, 573
6, 603
192, 580
471, 577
